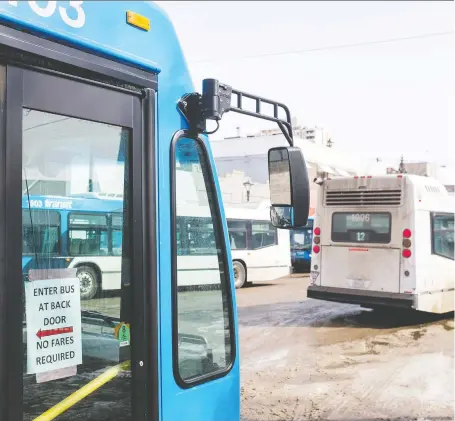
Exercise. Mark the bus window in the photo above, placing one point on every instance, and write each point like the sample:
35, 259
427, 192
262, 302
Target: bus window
263, 234
40, 232
117, 235
201, 239
203, 326
373, 227
442, 235
301, 239
237, 234
88, 235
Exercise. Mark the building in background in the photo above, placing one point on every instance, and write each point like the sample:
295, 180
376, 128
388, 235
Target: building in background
242, 164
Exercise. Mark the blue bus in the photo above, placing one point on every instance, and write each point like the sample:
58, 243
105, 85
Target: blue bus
75, 232
97, 100
301, 242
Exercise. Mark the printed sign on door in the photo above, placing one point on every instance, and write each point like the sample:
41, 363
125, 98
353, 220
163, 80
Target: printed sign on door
53, 313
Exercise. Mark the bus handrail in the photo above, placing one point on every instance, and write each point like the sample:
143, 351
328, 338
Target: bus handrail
83, 392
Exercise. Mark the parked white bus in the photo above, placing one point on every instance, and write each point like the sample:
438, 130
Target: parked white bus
384, 241
259, 251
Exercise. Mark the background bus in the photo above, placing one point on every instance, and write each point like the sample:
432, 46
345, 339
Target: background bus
260, 252
82, 232
385, 241
301, 241
85, 232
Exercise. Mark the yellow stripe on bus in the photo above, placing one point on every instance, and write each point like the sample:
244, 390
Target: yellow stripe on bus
83, 392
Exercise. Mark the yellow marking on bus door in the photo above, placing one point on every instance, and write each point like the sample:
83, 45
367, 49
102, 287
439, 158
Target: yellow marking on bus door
83, 392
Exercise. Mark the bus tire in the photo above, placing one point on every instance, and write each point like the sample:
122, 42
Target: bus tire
239, 274
89, 282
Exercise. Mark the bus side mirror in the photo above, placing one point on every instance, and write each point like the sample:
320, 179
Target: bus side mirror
289, 188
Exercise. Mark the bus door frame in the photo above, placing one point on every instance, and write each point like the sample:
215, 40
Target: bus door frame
21, 51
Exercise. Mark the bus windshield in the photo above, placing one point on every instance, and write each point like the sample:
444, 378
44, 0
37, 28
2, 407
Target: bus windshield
301, 238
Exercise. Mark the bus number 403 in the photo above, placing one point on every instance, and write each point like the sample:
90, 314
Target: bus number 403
48, 10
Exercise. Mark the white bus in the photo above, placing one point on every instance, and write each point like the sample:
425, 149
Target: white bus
259, 251
384, 241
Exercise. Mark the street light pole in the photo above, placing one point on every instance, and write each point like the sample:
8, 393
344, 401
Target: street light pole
248, 184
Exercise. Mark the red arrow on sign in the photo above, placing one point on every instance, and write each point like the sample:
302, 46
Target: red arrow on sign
51, 332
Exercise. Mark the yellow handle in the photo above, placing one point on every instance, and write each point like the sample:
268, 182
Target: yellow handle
83, 392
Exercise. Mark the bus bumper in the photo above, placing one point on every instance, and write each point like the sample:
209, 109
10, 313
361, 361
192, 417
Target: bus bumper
362, 297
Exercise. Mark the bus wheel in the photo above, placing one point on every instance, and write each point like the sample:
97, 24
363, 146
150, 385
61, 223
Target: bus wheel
239, 274
88, 281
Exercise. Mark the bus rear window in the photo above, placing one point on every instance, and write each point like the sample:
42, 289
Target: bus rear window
354, 227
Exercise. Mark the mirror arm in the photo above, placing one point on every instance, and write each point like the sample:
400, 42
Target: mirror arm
216, 100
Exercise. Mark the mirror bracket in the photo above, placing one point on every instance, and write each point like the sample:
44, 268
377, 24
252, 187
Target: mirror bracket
216, 100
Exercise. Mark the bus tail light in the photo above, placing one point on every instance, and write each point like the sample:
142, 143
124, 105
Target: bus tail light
406, 253
407, 243
317, 231
316, 249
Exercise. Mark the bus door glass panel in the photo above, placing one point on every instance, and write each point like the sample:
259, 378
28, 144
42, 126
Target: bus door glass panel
66, 157
203, 328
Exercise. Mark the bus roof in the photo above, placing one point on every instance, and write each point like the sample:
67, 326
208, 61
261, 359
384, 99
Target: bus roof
387, 179
82, 26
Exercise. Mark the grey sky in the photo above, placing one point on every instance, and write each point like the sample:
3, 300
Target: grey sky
378, 100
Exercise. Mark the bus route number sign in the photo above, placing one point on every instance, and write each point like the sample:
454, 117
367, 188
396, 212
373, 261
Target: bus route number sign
53, 315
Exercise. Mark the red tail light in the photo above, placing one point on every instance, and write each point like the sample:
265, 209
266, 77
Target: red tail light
406, 253
407, 233
317, 231
316, 249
